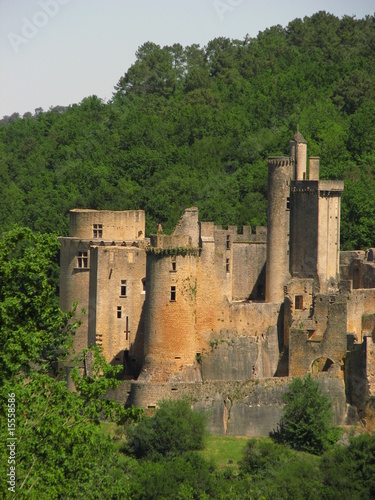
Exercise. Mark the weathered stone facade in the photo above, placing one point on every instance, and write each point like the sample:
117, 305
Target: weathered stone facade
225, 317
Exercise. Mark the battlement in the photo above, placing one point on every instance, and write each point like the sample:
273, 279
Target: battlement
280, 161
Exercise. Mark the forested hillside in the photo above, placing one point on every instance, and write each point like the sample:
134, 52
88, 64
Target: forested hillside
193, 126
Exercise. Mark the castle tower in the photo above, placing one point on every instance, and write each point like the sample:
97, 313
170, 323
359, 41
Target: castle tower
298, 151
103, 256
280, 173
170, 308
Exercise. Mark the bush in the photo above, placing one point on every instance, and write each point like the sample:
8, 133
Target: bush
306, 420
174, 429
350, 469
261, 454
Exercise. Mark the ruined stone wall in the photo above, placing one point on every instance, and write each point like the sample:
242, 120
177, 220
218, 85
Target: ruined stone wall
298, 304
325, 348
117, 294
249, 270
246, 408
360, 303
115, 225
188, 225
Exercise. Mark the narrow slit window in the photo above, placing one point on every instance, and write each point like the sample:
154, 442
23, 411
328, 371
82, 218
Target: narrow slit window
173, 294
123, 288
119, 312
228, 242
227, 265
173, 264
127, 328
288, 203
97, 230
82, 260
143, 285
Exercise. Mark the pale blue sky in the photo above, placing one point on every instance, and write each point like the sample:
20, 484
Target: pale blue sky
56, 52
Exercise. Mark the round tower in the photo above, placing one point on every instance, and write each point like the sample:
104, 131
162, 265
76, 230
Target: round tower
280, 173
298, 151
170, 311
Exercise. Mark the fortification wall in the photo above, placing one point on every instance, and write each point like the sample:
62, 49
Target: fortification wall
247, 408
249, 270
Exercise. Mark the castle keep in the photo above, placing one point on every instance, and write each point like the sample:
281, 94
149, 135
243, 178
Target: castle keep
226, 317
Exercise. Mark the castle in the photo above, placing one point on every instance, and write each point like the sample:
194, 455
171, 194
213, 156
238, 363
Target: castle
226, 317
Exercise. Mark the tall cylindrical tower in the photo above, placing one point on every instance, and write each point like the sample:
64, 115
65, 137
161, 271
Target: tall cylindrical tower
298, 151
170, 312
280, 172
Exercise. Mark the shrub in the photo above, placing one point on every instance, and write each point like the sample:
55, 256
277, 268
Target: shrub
350, 469
306, 420
174, 429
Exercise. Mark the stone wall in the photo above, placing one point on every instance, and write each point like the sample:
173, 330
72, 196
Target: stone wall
246, 408
115, 225
117, 295
326, 346
361, 302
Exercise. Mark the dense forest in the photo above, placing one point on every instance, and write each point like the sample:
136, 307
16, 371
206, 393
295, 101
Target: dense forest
194, 126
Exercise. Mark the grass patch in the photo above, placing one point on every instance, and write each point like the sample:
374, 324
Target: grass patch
224, 450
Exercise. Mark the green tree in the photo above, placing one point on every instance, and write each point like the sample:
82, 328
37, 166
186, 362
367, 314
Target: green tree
174, 429
306, 420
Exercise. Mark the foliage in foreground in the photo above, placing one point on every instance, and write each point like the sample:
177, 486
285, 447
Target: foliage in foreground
60, 451
306, 420
174, 429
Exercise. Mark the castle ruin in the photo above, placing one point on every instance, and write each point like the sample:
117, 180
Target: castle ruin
227, 317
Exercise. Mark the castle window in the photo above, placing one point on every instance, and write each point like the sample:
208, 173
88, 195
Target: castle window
173, 264
288, 203
127, 328
82, 260
227, 265
123, 288
173, 294
228, 241
143, 280
298, 302
97, 230
119, 312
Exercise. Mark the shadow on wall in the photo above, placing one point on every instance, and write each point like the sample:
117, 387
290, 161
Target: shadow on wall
258, 291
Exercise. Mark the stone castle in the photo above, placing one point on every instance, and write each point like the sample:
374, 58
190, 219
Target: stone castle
226, 317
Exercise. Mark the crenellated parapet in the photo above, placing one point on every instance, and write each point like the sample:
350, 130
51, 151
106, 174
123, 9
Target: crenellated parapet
280, 161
